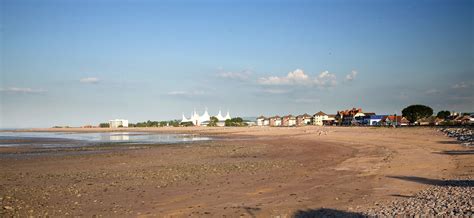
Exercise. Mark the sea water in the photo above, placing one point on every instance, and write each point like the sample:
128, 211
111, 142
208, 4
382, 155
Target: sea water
72, 139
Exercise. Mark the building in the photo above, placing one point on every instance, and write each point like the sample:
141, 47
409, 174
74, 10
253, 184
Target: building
118, 123
288, 120
361, 117
330, 120
203, 120
319, 117
373, 120
303, 120
347, 117
275, 121
261, 121
393, 120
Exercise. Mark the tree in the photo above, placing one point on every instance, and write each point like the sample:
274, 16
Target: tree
213, 121
104, 125
416, 112
186, 124
443, 114
235, 122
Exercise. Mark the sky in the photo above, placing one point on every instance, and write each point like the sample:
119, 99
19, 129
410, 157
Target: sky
80, 62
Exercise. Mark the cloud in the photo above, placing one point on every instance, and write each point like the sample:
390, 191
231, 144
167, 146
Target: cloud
275, 91
21, 90
351, 76
243, 75
186, 93
299, 77
463, 85
326, 79
92, 80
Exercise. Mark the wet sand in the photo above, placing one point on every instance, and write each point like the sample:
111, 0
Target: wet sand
247, 172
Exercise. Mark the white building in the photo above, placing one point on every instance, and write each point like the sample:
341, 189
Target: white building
319, 117
261, 121
204, 119
117, 123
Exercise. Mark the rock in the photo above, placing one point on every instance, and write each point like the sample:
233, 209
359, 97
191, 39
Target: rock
8, 207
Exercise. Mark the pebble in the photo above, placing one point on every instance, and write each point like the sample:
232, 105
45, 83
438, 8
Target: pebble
464, 135
453, 198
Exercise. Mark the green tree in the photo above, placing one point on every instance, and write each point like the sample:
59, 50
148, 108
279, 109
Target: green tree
237, 121
186, 124
104, 125
416, 112
443, 114
213, 121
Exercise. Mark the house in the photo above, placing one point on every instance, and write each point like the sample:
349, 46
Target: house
464, 120
362, 117
261, 121
347, 117
439, 121
319, 117
393, 120
373, 120
302, 120
275, 121
266, 122
288, 120
330, 120
118, 123
428, 121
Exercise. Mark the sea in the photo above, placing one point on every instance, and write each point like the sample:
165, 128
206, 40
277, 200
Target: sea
74, 139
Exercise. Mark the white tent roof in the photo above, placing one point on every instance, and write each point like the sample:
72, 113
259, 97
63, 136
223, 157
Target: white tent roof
220, 117
227, 116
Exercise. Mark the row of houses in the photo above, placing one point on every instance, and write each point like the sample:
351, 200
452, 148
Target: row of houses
345, 117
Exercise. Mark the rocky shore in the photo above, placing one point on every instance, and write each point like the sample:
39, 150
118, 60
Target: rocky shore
443, 198
464, 135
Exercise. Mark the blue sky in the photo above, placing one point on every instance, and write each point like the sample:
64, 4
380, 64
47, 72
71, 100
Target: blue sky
77, 62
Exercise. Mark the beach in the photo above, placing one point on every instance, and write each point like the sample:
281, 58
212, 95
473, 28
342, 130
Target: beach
244, 171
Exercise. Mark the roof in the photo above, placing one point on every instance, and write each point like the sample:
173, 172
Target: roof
399, 119
320, 113
261, 117
377, 116
351, 112
304, 116
289, 116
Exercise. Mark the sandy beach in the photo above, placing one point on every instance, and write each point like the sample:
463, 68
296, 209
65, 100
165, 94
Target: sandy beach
248, 171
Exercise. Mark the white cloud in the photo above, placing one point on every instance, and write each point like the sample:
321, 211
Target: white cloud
463, 85
298, 77
90, 80
275, 91
351, 76
326, 79
21, 90
244, 75
186, 93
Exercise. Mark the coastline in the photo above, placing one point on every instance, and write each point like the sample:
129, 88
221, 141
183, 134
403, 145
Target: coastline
260, 171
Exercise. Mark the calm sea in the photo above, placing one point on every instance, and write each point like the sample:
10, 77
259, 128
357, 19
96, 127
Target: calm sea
64, 139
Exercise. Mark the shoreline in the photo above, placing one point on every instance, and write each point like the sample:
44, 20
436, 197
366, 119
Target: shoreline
274, 171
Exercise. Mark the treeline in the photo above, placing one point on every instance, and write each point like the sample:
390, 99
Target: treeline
418, 114
150, 123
